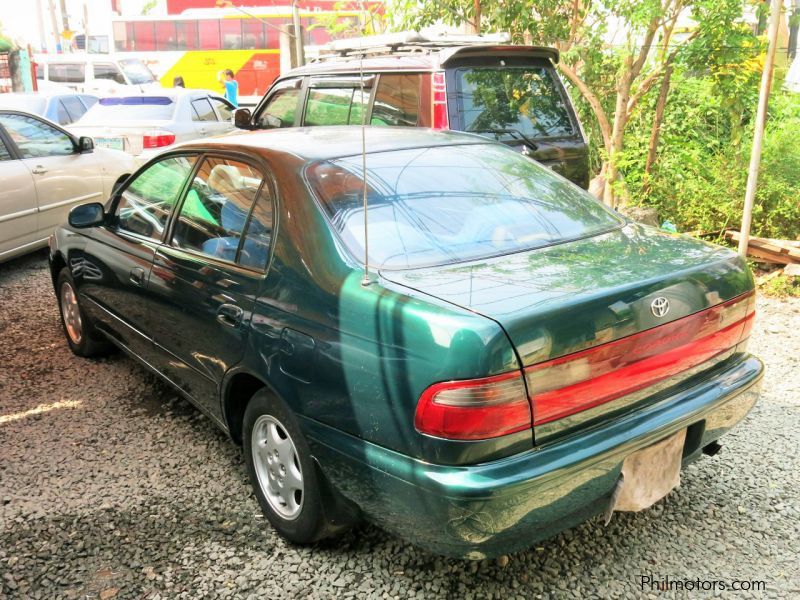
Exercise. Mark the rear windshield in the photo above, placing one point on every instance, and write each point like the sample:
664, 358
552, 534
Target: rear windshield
132, 108
136, 71
526, 99
447, 204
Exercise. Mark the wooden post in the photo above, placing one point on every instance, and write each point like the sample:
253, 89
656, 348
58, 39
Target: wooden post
761, 119
298, 35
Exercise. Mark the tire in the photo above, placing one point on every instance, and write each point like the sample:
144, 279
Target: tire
301, 519
82, 337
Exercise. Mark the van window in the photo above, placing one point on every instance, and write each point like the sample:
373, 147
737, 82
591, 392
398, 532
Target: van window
108, 71
282, 105
527, 99
67, 72
397, 100
335, 106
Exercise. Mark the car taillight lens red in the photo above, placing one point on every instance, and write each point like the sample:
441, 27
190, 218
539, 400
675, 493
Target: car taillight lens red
158, 139
474, 409
582, 380
440, 101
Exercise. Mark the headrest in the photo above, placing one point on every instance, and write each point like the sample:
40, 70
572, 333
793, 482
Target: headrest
225, 179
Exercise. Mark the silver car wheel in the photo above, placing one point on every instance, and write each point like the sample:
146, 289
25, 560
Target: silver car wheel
277, 466
71, 313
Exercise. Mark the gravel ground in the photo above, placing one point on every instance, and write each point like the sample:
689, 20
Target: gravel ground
112, 487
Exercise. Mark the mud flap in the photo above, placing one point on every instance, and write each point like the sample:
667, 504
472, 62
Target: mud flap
648, 475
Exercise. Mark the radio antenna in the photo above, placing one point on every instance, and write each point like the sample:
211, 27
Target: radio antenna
365, 281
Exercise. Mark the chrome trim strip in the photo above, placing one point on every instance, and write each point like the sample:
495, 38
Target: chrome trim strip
18, 214
70, 201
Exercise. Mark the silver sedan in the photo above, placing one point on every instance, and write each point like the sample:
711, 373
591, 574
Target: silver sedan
144, 125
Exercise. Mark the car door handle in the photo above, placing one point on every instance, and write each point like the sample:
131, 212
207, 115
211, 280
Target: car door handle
137, 276
203, 131
230, 315
38, 170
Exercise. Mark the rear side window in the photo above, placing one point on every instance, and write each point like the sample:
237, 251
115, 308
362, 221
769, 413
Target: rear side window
145, 204
74, 107
335, 106
397, 100
448, 204
218, 217
67, 72
527, 99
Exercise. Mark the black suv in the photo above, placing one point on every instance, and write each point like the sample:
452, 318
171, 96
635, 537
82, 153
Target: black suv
509, 93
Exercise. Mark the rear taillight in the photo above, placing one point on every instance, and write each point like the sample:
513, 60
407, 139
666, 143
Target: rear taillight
158, 139
439, 101
474, 409
582, 380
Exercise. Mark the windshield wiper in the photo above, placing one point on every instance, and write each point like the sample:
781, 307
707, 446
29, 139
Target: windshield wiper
515, 133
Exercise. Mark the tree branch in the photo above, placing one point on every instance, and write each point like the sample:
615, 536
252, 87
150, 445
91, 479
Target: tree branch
592, 99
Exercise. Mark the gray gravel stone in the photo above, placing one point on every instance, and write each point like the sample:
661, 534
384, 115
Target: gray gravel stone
114, 483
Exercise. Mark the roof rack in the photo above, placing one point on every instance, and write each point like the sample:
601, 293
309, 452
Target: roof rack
409, 42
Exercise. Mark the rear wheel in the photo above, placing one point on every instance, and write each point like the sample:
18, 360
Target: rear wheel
81, 335
285, 479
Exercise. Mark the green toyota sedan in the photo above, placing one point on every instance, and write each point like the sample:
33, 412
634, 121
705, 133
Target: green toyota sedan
481, 358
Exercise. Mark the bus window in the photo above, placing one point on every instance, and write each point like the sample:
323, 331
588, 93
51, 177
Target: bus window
166, 36
186, 34
209, 34
231, 33
144, 39
253, 35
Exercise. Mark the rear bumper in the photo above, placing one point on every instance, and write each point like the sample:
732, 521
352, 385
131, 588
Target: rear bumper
509, 504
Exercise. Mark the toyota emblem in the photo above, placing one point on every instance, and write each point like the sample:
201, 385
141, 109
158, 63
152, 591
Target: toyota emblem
659, 306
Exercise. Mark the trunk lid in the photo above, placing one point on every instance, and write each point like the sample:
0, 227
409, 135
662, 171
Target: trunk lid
566, 298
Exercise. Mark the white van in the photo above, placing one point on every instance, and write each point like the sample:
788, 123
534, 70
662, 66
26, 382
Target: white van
101, 74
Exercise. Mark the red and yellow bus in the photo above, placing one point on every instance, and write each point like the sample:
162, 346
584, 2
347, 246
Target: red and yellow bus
197, 44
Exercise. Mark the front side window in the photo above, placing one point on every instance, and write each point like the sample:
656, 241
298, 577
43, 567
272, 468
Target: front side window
202, 111
136, 71
282, 106
146, 203
108, 71
224, 108
397, 100
4, 153
525, 99
36, 139
335, 106
448, 204
217, 217
67, 72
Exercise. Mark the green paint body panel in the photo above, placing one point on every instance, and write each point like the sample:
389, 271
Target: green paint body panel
352, 360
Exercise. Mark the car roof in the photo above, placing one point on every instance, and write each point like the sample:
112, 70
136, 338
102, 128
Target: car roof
325, 143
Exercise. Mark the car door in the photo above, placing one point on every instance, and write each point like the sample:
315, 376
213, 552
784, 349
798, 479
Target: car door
63, 175
17, 203
206, 278
115, 265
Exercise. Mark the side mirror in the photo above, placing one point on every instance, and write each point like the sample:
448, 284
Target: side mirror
241, 118
85, 144
91, 214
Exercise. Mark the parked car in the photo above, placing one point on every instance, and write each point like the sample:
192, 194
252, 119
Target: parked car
62, 109
45, 171
144, 125
515, 347
475, 84
101, 74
